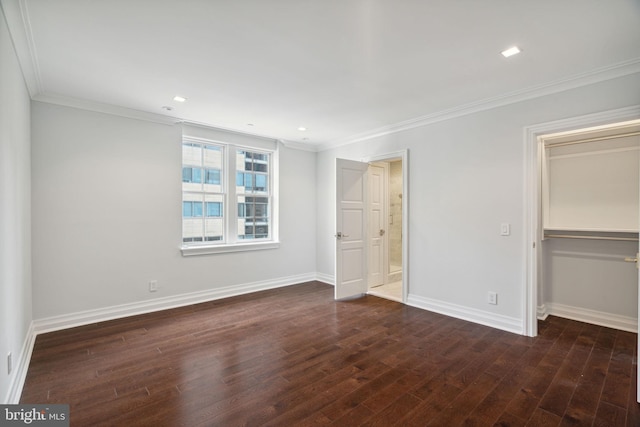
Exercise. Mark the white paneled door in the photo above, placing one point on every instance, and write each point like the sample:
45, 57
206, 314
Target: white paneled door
351, 233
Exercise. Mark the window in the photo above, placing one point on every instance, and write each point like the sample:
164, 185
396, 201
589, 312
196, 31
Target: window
202, 193
252, 179
215, 212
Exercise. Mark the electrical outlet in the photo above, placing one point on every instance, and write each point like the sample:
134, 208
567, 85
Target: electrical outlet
153, 286
492, 298
9, 364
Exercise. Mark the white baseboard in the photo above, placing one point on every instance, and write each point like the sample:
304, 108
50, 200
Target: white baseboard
19, 374
72, 320
55, 323
505, 323
542, 312
498, 321
600, 318
329, 279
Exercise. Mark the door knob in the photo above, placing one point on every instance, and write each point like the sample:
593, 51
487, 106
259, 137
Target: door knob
339, 235
381, 232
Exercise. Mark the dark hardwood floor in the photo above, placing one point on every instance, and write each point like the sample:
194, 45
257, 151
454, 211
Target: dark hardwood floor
293, 357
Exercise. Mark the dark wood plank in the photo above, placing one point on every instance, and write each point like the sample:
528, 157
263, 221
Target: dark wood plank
294, 356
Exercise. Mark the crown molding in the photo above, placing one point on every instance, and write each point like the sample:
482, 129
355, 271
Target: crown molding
583, 79
83, 104
16, 16
227, 129
295, 145
99, 107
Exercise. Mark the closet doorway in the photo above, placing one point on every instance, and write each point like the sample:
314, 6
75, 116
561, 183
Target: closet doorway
534, 298
538, 290
385, 213
590, 212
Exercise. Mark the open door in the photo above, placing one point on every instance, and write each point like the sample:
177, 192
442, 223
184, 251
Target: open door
378, 253
351, 234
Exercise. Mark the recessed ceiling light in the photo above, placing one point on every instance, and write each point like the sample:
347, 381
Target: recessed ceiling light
302, 128
178, 98
511, 51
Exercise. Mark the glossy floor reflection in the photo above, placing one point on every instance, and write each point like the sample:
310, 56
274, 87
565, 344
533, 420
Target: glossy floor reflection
294, 356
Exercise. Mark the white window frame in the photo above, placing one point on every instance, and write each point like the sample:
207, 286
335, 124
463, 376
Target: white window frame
231, 242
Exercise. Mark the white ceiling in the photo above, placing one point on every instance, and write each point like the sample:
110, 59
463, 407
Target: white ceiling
344, 69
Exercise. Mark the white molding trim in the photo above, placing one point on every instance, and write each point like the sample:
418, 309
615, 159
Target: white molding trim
295, 145
229, 248
631, 112
130, 113
608, 320
583, 79
542, 312
56, 323
20, 371
532, 221
98, 107
71, 320
208, 132
329, 279
403, 155
17, 18
498, 321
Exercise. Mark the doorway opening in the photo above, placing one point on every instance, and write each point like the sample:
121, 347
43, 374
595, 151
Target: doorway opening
385, 278
589, 208
362, 236
567, 232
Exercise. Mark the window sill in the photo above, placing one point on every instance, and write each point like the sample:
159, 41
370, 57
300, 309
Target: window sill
219, 249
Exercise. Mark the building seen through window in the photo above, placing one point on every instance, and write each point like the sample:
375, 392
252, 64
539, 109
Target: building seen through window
210, 206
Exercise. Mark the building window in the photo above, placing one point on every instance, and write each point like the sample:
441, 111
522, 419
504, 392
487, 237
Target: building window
252, 188
214, 212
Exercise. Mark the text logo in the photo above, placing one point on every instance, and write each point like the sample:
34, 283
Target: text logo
34, 415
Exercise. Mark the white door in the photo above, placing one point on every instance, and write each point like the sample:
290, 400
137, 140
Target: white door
351, 233
377, 228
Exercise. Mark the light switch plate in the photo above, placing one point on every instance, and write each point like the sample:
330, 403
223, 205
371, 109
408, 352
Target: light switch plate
505, 229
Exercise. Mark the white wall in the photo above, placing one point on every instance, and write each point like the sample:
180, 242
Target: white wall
107, 216
591, 275
15, 211
466, 177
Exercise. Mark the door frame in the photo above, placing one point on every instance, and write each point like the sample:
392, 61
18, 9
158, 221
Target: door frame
532, 216
402, 155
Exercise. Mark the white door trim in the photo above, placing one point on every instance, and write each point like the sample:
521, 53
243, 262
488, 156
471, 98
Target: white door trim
532, 157
404, 156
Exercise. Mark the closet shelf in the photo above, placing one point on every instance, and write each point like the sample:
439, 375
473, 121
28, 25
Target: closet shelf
591, 234
589, 230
